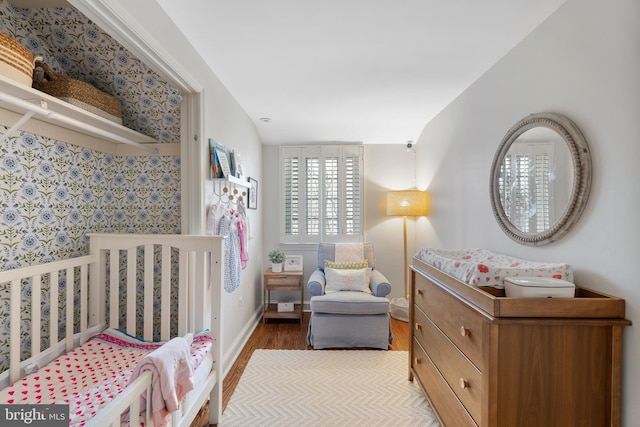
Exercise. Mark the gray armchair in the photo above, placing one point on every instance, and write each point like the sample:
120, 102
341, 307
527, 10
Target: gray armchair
348, 318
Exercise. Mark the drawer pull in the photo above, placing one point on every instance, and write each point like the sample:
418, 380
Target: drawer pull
464, 383
419, 292
417, 361
464, 331
418, 326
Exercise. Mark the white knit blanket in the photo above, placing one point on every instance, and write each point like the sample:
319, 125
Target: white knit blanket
349, 252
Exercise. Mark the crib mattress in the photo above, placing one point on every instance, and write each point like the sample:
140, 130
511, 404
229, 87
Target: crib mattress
90, 376
481, 267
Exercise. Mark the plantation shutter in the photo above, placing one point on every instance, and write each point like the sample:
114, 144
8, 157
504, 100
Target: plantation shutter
291, 193
353, 185
322, 194
526, 186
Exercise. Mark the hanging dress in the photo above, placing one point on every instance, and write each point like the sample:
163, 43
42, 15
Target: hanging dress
232, 263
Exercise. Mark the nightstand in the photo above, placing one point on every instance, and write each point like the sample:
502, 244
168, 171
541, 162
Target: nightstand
283, 281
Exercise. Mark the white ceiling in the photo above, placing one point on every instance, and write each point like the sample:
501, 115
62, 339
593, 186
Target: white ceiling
370, 71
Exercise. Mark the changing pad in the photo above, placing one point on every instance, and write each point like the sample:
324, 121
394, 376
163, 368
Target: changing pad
480, 267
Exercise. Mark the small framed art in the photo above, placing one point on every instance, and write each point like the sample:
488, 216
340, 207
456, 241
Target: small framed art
253, 194
293, 263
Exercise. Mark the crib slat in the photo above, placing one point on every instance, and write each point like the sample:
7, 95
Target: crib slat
14, 331
83, 296
70, 291
131, 294
114, 291
55, 306
134, 413
148, 291
36, 302
183, 319
147, 414
200, 285
165, 294
98, 287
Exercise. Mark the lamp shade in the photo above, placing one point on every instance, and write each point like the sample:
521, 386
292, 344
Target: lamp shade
408, 203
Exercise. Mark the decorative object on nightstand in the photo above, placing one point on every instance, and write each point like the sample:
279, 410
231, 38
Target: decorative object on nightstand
276, 257
286, 308
406, 203
293, 263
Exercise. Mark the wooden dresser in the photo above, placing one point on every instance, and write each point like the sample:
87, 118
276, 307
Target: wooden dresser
486, 360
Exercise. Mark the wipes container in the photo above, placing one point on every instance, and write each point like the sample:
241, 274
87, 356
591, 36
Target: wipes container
538, 287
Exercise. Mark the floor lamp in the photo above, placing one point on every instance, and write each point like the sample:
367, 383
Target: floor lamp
407, 203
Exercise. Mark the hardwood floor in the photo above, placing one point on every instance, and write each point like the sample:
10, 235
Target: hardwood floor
290, 335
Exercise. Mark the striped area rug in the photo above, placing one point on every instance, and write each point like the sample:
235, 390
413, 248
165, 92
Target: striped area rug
327, 388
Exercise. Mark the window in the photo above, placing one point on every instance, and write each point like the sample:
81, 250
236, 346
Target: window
322, 194
526, 186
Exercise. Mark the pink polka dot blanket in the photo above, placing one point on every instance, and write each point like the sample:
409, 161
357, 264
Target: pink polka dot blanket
480, 267
90, 376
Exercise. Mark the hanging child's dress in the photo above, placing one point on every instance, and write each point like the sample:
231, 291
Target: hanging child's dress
232, 263
215, 212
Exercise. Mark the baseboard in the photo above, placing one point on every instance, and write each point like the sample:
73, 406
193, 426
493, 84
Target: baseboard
238, 344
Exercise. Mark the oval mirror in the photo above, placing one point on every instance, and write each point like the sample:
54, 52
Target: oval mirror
540, 178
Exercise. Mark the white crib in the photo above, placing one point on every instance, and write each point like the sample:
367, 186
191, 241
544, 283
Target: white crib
199, 278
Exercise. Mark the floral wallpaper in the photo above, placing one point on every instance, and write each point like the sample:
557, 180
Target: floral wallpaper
52, 193
72, 44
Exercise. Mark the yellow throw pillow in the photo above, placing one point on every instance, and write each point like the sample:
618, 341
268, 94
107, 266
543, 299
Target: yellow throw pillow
353, 265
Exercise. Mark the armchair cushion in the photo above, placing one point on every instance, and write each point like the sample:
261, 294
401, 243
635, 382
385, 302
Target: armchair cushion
348, 302
378, 283
347, 280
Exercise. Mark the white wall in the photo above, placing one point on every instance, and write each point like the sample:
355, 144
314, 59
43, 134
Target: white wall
227, 123
584, 62
388, 168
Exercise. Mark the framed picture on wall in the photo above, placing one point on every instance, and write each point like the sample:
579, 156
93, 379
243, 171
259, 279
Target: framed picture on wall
293, 263
253, 194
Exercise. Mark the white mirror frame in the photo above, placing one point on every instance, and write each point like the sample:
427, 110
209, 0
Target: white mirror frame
581, 160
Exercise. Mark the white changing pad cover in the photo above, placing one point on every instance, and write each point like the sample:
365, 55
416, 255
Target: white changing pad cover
481, 267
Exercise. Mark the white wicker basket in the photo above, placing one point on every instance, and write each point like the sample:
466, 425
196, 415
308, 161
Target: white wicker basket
399, 309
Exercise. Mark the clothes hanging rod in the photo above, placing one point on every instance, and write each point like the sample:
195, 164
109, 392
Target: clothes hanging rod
43, 110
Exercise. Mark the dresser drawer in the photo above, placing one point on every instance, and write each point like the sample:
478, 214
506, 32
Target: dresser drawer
463, 378
282, 281
462, 324
449, 409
